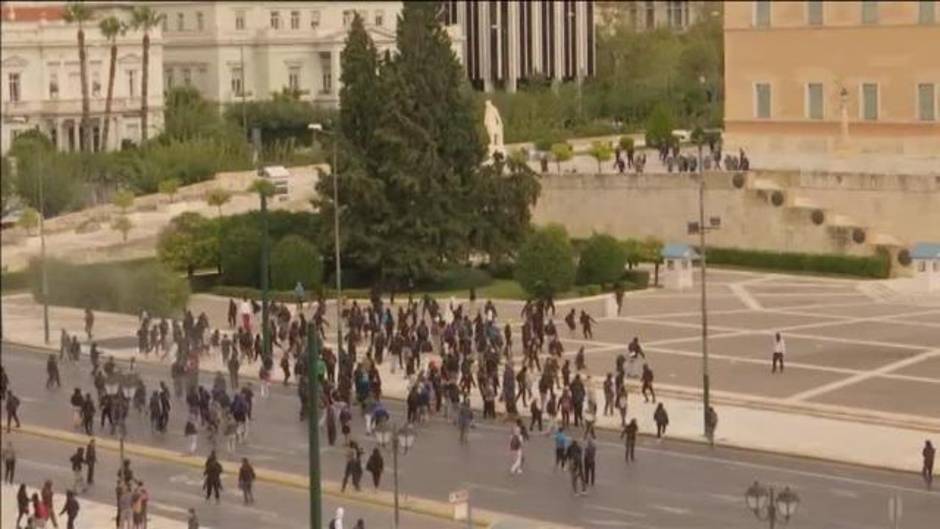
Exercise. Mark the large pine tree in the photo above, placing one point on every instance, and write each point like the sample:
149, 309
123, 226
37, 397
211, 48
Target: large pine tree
414, 190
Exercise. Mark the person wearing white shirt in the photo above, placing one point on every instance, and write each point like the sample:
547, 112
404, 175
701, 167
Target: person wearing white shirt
780, 348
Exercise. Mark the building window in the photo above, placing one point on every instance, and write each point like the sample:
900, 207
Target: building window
814, 101
200, 21
13, 87
674, 14
275, 20
53, 85
814, 13
326, 66
95, 84
927, 13
762, 101
180, 22
650, 15
237, 81
295, 19
869, 12
869, 101
132, 83
927, 102
293, 78
187, 76
168, 78
314, 19
762, 13
379, 17
240, 20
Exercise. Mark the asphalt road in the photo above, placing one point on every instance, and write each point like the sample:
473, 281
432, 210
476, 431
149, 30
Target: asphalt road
673, 485
175, 488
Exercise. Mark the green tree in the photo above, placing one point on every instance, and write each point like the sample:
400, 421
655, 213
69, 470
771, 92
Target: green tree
601, 152
659, 127
241, 256
145, 19
7, 191
188, 116
562, 152
506, 191
652, 251
362, 106
262, 186
123, 199
169, 187
295, 259
110, 27
545, 264
602, 260
188, 242
626, 143
218, 197
122, 224
37, 159
29, 220
79, 13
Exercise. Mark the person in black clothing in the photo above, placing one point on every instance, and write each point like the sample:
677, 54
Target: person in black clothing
647, 380
70, 509
213, 477
52, 373
662, 420
78, 460
375, 465
88, 414
629, 434
91, 458
12, 405
929, 453
590, 456
574, 460
353, 466
246, 478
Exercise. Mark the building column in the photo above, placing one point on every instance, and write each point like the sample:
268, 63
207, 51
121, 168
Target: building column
335, 71
514, 49
77, 134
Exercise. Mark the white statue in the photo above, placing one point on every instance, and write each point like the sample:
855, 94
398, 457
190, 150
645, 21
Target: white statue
494, 128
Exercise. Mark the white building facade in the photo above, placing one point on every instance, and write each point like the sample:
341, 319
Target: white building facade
234, 51
41, 83
508, 43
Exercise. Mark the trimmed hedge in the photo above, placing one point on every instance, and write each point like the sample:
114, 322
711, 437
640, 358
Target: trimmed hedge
124, 287
873, 267
458, 278
294, 259
602, 260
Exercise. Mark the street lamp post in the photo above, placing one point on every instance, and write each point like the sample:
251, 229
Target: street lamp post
317, 127
42, 258
313, 434
700, 228
770, 506
402, 436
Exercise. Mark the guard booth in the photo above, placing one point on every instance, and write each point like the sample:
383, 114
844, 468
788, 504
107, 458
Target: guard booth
925, 259
677, 264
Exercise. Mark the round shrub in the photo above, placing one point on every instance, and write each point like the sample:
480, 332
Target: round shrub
904, 257
777, 198
818, 217
858, 235
738, 180
602, 260
240, 251
295, 259
545, 265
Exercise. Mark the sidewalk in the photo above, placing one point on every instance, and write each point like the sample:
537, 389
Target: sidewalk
90, 514
801, 434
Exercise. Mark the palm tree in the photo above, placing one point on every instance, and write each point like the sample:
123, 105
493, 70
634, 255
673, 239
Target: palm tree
110, 27
79, 13
145, 18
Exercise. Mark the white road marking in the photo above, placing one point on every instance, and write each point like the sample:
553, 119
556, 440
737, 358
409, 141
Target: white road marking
490, 488
861, 377
613, 510
842, 493
670, 509
611, 523
745, 297
727, 498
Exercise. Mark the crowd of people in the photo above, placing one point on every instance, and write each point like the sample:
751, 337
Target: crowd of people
449, 355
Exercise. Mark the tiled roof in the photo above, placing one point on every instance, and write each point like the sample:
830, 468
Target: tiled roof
33, 13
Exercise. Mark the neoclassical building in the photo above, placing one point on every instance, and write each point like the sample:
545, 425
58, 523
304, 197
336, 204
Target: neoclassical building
41, 86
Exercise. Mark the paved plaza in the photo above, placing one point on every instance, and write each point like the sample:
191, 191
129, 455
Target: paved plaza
845, 347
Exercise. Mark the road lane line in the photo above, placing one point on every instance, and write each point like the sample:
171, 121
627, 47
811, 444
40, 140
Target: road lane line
670, 509
613, 510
